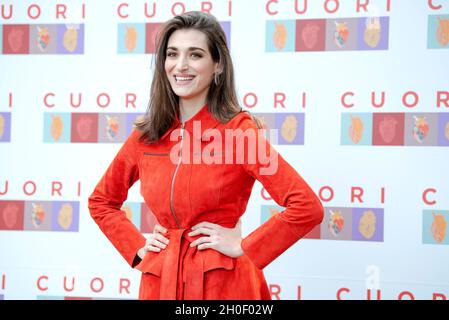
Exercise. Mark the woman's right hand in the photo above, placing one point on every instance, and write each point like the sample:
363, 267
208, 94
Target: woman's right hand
155, 241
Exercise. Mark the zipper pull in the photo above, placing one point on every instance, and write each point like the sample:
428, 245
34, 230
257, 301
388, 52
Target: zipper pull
181, 134
182, 131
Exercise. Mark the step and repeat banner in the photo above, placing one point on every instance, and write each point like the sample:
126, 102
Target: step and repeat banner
359, 93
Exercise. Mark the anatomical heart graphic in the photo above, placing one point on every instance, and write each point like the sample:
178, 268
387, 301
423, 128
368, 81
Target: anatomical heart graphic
289, 128
309, 35
372, 32
112, 127
84, 127
356, 129
443, 31
387, 129
438, 227
341, 34
280, 36
43, 38
65, 216
16, 38
70, 38
56, 127
130, 38
367, 224
420, 128
10, 215
336, 222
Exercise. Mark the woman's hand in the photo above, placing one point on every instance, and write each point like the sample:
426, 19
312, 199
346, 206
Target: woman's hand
225, 240
155, 241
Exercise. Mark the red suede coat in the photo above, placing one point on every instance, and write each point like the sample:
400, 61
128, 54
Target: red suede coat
182, 194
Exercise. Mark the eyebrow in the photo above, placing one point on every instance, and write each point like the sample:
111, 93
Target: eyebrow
189, 49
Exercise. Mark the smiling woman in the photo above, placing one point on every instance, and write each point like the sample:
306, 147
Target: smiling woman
196, 250
190, 69
191, 45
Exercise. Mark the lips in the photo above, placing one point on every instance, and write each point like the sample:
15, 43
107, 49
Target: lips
183, 79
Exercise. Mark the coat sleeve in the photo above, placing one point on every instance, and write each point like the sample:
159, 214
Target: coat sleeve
303, 209
106, 201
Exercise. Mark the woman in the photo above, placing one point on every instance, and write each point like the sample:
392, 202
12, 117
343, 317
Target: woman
197, 181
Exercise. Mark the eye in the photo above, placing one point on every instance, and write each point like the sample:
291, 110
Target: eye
197, 55
171, 54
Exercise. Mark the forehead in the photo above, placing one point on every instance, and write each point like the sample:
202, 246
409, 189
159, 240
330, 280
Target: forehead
185, 38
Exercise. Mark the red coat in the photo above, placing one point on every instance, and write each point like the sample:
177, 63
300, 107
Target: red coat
182, 195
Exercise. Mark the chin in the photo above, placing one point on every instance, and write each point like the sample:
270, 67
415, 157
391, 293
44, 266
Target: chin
185, 94
182, 94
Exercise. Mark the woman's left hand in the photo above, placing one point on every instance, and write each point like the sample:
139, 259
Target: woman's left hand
225, 240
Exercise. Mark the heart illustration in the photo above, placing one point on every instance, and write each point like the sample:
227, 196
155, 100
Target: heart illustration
387, 129
310, 35
83, 128
15, 39
10, 215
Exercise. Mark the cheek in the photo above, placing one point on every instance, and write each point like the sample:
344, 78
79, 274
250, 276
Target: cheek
206, 72
168, 66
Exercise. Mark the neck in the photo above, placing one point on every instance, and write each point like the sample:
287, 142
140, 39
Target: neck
188, 108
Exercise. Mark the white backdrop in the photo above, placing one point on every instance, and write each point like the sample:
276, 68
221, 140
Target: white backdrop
51, 248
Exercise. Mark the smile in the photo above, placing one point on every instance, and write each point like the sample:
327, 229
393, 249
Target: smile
185, 79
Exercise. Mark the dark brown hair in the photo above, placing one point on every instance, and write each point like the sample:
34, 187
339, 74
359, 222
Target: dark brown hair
163, 105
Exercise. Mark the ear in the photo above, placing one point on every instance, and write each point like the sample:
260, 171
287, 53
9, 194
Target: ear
218, 68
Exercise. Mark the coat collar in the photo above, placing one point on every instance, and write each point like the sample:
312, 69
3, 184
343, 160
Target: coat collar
203, 118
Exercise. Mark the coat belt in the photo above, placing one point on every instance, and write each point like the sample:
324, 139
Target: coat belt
166, 263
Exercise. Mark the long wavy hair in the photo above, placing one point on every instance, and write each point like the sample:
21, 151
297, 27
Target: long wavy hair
163, 105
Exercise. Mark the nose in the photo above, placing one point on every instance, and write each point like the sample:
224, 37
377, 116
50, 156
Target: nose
182, 63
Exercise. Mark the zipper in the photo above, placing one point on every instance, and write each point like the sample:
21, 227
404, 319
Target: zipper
155, 154
172, 208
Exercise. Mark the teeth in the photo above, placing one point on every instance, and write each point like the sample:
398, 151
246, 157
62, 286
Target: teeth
183, 78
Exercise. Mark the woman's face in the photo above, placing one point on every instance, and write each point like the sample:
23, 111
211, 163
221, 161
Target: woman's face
189, 65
